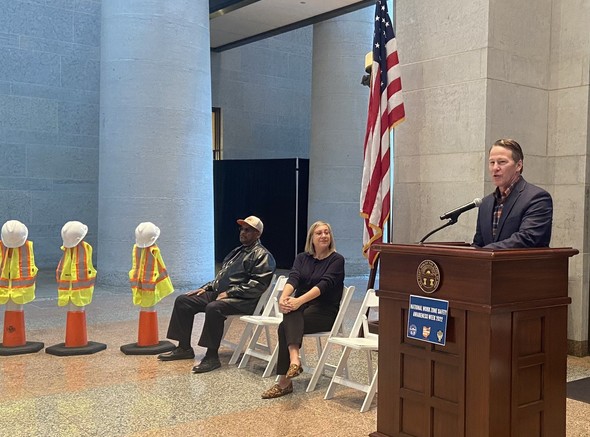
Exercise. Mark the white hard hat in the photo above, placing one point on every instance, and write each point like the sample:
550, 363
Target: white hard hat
72, 233
146, 234
14, 233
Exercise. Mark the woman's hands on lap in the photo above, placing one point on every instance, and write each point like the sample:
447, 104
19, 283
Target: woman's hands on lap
289, 304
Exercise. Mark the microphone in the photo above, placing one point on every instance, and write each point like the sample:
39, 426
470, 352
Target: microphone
455, 213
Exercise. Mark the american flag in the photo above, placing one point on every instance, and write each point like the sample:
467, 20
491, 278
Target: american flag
386, 110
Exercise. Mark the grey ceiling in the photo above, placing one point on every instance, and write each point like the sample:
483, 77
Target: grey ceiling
237, 22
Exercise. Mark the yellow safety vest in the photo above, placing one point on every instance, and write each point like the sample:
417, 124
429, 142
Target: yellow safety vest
18, 272
75, 275
149, 278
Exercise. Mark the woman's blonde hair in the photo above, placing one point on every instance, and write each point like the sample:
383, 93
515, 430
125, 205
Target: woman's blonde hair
309, 241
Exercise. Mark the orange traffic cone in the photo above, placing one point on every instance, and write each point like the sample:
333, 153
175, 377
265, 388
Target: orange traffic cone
14, 340
148, 342
76, 329
14, 329
76, 339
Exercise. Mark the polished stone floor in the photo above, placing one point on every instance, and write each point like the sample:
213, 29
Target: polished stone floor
112, 394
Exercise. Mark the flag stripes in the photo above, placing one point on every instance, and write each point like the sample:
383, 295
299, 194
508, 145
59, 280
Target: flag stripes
385, 111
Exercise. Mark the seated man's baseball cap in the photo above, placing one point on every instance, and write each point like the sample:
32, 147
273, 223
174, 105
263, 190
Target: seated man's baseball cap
253, 222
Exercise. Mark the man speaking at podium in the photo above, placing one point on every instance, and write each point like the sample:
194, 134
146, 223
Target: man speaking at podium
517, 214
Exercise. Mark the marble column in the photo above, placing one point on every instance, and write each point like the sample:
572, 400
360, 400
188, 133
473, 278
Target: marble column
155, 136
339, 113
477, 71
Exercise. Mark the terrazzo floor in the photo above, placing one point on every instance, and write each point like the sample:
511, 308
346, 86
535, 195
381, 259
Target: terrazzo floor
112, 394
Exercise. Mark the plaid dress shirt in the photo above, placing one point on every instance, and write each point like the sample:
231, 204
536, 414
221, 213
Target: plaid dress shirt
500, 199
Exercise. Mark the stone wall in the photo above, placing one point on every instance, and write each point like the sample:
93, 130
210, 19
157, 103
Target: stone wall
264, 92
478, 71
49, 104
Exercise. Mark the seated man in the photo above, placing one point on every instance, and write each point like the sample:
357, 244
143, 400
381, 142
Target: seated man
244, 276
517, 214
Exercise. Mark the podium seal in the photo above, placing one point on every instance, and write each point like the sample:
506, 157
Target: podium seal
428, 276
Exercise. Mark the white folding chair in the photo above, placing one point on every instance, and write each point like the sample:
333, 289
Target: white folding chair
337, 329
256, 324
239, 346
347, 293
368, 343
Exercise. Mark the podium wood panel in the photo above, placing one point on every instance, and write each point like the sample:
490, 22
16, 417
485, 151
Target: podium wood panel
502, 371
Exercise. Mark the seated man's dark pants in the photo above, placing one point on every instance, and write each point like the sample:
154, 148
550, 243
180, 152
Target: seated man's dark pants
183, 314
308, 319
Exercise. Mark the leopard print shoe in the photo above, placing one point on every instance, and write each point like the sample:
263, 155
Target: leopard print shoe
294, 370
276, 391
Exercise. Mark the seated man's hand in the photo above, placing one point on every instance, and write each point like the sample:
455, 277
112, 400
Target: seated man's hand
198, 292
222, 295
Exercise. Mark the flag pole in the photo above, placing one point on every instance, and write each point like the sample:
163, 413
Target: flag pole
389, 236
385, 111
392, 150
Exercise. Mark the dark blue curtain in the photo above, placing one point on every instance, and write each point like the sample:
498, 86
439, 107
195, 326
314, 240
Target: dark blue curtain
265, 188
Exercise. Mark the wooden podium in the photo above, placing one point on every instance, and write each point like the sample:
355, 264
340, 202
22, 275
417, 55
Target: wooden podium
502, 372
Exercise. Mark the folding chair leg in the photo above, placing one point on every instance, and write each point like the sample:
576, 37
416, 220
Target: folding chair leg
271, 364
240, 346
341, 365
370, 394
250, 347
318, 345
319, 368
226, 325
267, 334
369, 364
303, 358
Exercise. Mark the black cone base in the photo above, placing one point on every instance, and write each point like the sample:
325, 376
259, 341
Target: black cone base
28, 348
160, 348
62, 351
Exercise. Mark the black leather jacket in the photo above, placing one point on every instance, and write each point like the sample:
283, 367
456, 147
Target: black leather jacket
245, 274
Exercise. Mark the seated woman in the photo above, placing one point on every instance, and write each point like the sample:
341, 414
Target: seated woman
317, 277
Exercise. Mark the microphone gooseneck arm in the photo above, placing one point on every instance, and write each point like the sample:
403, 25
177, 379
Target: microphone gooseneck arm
452, 221
455, 213
453, 216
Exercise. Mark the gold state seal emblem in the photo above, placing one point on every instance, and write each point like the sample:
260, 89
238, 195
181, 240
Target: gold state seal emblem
428, 276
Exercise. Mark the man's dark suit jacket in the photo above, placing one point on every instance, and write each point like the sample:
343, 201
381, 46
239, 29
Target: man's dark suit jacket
526, 219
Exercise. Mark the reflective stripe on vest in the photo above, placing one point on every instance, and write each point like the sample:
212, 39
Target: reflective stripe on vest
79, 272
17, 273
76, 275
148, 276
144, 273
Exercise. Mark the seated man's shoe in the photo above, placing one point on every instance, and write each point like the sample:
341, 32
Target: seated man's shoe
178, 354
294, 370
207, 365
276, 391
